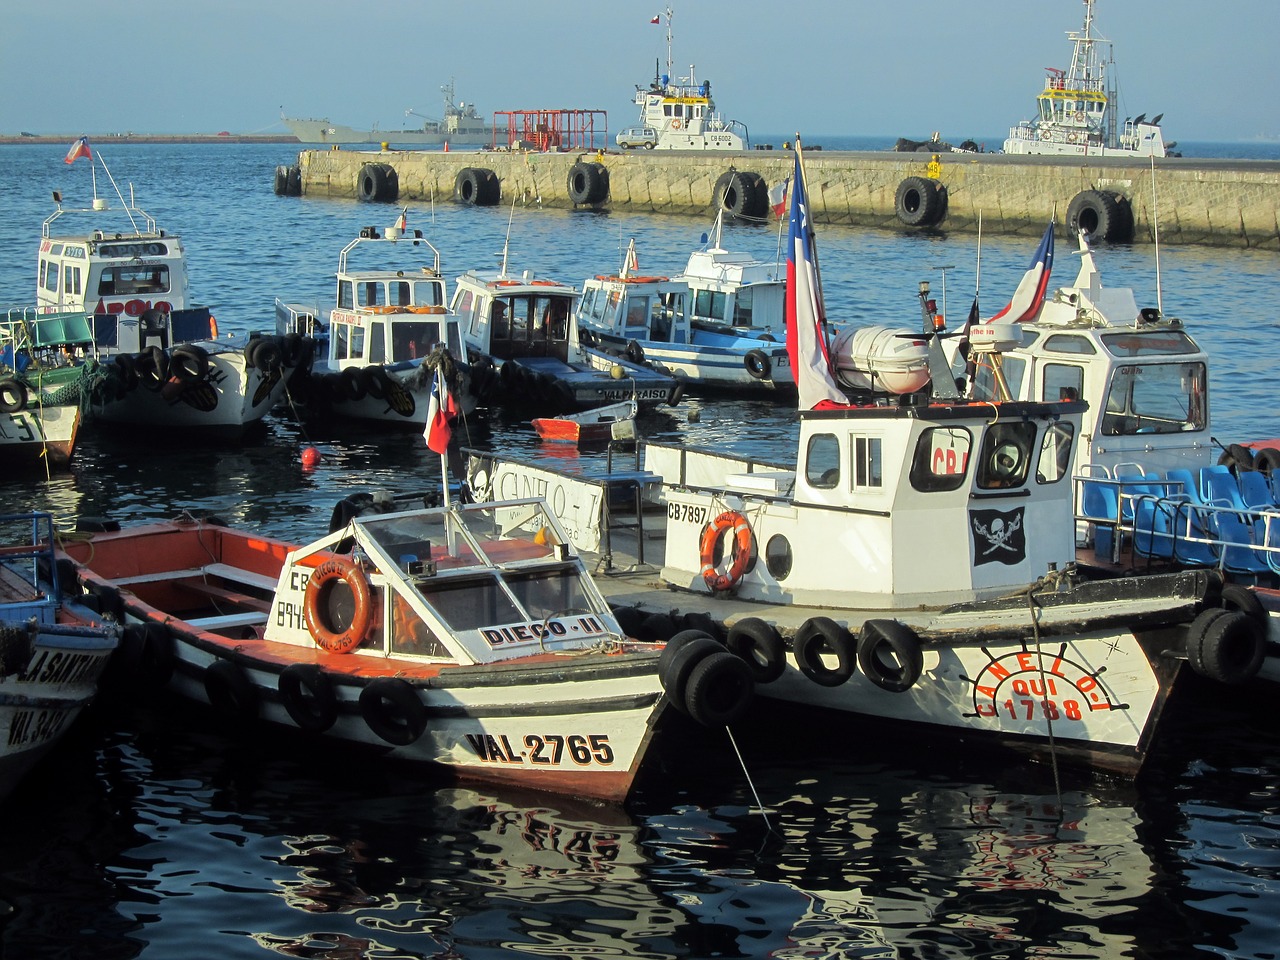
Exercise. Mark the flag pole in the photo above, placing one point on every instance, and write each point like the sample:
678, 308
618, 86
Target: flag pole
813, 245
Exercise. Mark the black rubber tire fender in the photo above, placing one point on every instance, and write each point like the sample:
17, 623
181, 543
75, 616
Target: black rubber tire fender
719, 690
588, 183
741, 194
630, 620
377, 182
189, 362
230, 690
758, 644
477, 187
377, 382
353, 387
1266, 460
13, 395
819, 635
393, 711
1236, 458
890, 655
677, 662
634, 352
1101, 215
758, 364
153, 367
281, 184
1225, 645
308, 696
918, 202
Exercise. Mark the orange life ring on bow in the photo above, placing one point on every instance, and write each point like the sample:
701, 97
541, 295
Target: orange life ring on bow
322, 581
740, 555
213, 327
675, 124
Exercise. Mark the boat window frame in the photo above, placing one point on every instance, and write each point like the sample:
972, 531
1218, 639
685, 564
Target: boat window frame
1055, 452
830, 470
923, 473
1004, 457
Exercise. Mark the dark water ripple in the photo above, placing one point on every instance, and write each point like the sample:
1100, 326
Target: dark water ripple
155, 833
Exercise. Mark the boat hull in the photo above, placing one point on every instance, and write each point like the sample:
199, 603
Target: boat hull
29, 438
322, 131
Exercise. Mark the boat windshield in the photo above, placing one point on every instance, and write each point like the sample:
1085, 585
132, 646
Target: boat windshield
1155, 398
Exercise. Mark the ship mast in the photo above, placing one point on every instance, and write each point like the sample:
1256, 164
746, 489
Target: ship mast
670, 75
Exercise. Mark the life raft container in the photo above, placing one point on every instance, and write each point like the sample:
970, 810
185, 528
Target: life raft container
320, 623
740, 554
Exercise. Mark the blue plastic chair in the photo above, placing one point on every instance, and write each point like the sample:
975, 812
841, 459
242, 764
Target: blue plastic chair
1255, 491
1190, 518
1100, 502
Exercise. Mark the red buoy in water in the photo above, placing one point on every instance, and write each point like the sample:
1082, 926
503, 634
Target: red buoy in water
310, 456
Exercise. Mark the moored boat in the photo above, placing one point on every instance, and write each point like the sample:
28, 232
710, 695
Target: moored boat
386, 335
52, 651
46, 381
1077, 110
525, 328
166, 365
917, 566
461, 126
466, 637
617, 421
680, 114
716, 325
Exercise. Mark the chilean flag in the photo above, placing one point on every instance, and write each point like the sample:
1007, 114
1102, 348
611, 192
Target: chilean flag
657, 19
778, 197
806, 342
79, 149
440, 413
1029, 296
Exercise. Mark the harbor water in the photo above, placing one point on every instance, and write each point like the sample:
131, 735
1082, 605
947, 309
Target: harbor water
154, 832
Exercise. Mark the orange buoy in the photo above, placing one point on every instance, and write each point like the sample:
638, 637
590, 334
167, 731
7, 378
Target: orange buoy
310, 456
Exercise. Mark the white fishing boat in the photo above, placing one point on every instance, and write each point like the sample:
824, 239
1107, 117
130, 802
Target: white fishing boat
167, 366
461, 126
1154, 489
717, 325
1077, 111
52, 650
470, 638
525, 328
680, 114
917, 565
386, 335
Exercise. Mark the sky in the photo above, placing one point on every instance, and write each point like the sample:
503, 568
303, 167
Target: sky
818, 67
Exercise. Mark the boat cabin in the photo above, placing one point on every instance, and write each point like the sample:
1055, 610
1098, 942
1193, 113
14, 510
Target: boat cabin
892, 505
1145, 379
733, 289
511, 318
624, 308
464, 584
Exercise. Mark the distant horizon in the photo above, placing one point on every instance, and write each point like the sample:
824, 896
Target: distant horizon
934, 66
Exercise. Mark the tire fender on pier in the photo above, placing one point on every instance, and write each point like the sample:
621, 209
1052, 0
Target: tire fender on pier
920, 202
477, 187
588, 183
377, 183
1102, 215
742, 194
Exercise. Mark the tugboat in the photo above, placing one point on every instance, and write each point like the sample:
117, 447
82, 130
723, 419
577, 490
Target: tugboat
680, 114
1077, 110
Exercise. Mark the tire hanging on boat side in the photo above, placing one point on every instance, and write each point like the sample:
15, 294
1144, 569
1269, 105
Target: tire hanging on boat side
393, 711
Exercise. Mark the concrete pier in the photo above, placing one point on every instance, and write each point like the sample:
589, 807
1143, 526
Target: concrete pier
1230, 203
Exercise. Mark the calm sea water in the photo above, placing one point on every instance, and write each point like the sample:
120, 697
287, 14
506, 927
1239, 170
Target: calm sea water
154, 833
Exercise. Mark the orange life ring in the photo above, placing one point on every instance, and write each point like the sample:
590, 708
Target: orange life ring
426, 309
213, 327
675, 124
740, 555
322, 579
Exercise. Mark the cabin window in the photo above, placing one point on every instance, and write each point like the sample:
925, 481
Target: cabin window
499, 320
346, 297
637, 317
377, 342
822, 461
555, 318
368, 294
545, 595
413, 340
1069, 343
710, 304
469, 603
941, 459
341, 336
1006, 455
984, 383
1155, 398
71, 281
410, 633
587, 302
429, 293
356, 349
398, 293
1055, 452
742, 307
868, 472
129, 279
49, 276
611, 306
518, 313
1062, 382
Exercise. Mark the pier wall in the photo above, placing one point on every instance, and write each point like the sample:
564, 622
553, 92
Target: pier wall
1209, 202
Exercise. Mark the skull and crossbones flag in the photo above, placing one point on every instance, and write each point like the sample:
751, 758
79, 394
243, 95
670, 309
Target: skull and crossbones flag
998, 536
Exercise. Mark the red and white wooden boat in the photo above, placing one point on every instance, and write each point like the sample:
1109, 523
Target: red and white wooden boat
617, 421
469, 637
